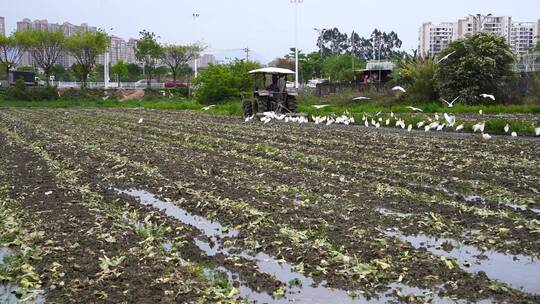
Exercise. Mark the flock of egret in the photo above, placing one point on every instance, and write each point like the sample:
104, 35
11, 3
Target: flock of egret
345, 119
269, 116
435, 123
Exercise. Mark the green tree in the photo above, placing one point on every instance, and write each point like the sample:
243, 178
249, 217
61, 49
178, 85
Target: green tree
160, 72
175, 56
221, 82
62, 74
97, 73
120, 69
86, 47
45, 48
310, 66
339, 67
478, 64
419, 76
11, 50
134, 72
148, 51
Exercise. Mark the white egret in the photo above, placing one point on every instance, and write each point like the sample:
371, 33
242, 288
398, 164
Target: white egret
415, 109
420, 124
398, 88
249, 118
140, 121
208, 107
479, 127
537, 131
392, 114
361, 98
409, 128
446, 57
514, 134
487, 96
481, 112
459, 128
366, 123
506, 128
437, 116
486, 136
451, 120
106, 97
387, 122
427, 128
318, 107
440, 127
451, 103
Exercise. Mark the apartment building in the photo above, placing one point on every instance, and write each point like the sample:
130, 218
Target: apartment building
435, 37
43, 25
203, 61
523, 36
119, 49
2, 26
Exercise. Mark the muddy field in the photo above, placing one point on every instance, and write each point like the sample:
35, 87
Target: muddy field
99, 206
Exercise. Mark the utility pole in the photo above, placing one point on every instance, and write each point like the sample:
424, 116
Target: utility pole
296, 2
247, 50
353, 53
320, 36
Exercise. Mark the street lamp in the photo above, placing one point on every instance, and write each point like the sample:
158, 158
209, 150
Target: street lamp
296, 2
196, 65
106, 67
479, 20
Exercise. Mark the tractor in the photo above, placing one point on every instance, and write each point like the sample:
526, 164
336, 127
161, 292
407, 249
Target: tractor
276, 96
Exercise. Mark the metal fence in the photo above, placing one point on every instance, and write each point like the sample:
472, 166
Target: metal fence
112, 85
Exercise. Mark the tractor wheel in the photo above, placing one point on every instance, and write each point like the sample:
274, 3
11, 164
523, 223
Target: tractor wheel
262, 105
248, 108
291, 104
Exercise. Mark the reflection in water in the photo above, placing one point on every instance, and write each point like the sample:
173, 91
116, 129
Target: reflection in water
305, 289
515, 270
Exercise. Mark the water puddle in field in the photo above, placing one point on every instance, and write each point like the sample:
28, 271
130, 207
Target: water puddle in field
519, 271
4, 252
301, 289
8, 292
385, 211
478, 199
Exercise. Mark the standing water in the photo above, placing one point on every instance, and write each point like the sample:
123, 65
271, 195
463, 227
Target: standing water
305, 289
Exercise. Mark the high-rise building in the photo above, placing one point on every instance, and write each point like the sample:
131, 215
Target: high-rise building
523, 36
2, 26
119, 49
43, 25
435, 37
203, 61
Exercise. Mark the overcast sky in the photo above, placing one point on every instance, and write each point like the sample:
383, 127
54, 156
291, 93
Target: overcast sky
266, 26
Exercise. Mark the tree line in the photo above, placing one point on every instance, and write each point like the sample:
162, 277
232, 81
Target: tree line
340, 54
47, 46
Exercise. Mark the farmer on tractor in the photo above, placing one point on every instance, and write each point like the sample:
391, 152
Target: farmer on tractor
275, 97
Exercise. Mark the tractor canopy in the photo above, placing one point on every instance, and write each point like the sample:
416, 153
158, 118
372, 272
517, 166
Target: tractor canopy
272, 71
